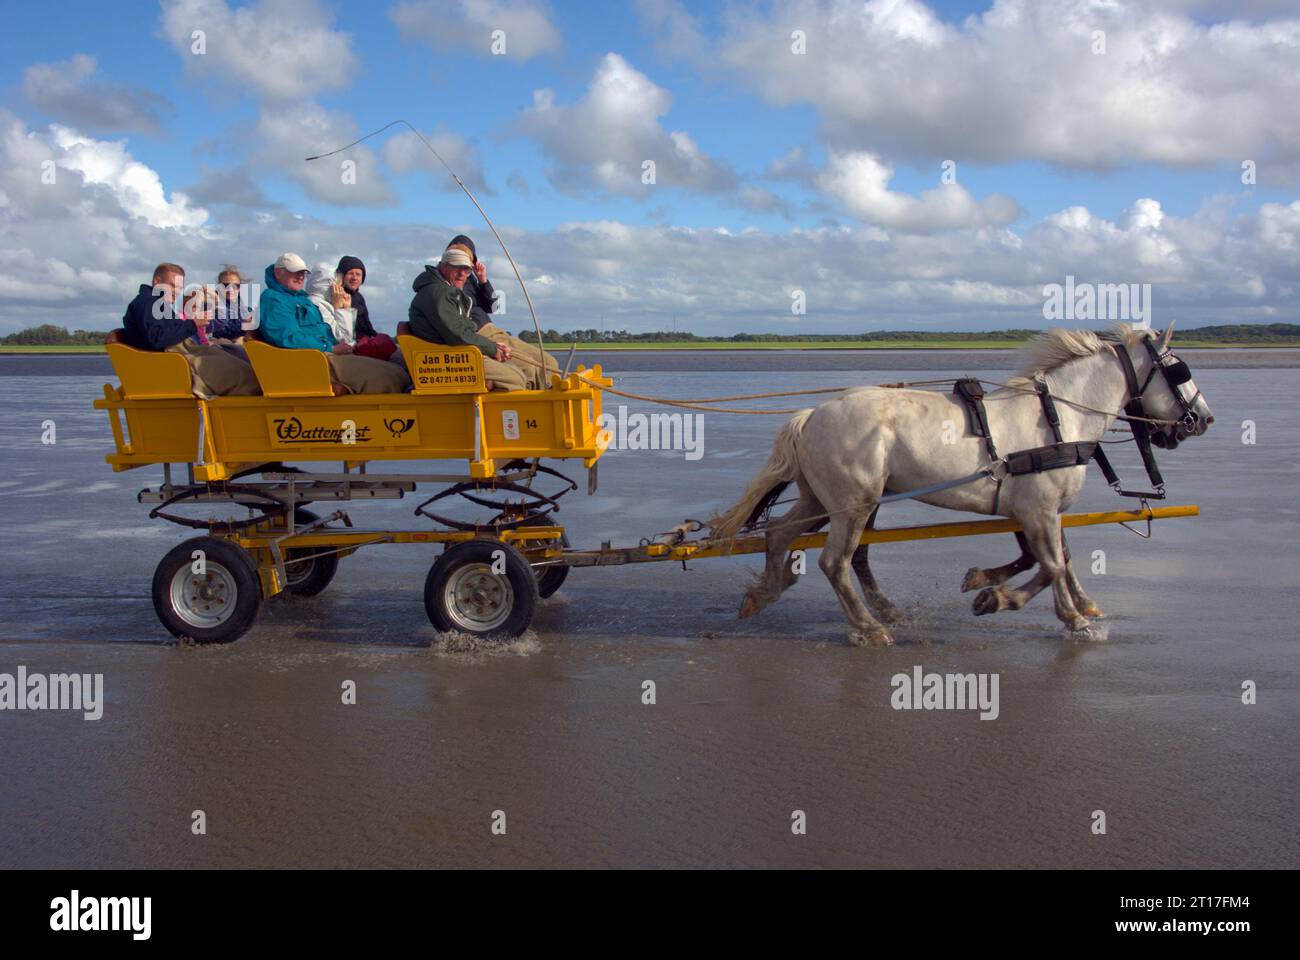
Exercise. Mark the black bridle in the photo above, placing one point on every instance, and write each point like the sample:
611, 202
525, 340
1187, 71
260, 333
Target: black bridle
1176, 373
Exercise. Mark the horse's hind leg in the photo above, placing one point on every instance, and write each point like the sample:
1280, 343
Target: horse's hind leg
1085, 604
996, 599
841, 541
992, 576
778, 573
878, 602
1043, 531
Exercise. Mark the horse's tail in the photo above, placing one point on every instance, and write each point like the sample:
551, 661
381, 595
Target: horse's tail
781, 468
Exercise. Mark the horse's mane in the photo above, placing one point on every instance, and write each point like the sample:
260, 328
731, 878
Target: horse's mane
1056, 347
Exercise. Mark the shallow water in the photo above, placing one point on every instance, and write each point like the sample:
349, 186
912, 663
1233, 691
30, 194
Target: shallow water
753, 719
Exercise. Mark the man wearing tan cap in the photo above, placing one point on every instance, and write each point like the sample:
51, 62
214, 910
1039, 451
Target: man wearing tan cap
481, 299
288, 318
441, 313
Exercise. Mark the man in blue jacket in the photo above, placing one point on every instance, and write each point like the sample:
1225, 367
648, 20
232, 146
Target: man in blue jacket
154, 321
288, 318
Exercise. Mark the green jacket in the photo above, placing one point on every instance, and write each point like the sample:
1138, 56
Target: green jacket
440, 313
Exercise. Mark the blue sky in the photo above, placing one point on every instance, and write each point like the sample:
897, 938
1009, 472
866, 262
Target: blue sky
1180, 97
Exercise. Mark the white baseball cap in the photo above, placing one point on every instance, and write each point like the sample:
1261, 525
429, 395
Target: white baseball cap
291, 262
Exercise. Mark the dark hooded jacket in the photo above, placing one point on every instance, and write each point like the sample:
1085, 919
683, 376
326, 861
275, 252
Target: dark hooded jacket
441, 314
482, 296
364, 328
151, 323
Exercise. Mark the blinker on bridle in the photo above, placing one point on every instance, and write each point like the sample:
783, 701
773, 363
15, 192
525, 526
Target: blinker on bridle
1176, 373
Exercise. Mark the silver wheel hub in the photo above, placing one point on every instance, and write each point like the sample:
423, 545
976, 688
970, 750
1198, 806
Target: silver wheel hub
476, 599
204, 600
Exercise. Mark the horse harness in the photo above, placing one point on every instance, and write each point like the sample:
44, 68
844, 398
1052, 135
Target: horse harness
1062, 453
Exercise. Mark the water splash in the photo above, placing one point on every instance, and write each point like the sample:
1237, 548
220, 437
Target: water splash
467, 648
1093, 633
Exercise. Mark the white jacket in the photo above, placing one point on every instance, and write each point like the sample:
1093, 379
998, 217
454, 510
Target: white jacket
342, 321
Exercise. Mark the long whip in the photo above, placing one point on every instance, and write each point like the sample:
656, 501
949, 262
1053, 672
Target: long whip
460, 183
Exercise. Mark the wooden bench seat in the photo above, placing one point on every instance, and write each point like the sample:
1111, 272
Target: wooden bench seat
290, 372
148, 374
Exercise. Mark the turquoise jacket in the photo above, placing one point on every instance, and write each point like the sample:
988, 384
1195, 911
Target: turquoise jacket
287, 318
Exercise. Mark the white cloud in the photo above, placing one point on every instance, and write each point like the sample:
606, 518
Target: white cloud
404, 153
762, 200
71, 91
287, 134
1021, 81
518, 184
467, 26
283, 49
229, 185
73, 253
676, 33
135, 186
602, 142
792, 165
79, 243
860, 181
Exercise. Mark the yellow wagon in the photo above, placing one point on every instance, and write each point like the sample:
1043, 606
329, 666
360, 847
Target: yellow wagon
234, 449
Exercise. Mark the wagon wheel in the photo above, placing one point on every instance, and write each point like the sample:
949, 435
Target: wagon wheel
481, 587
210, 599
308, 572
550, 578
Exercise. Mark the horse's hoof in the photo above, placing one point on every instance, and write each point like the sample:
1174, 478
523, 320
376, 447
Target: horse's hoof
987, 601
877, 637
1093, 611
973, 580
748, 607
1078, 625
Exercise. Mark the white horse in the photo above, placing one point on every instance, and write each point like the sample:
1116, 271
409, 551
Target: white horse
872, 441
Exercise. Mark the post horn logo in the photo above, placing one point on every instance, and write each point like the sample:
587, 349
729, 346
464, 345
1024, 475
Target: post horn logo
398, 427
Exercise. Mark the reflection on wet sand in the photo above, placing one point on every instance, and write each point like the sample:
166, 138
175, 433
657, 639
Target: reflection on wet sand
752, 719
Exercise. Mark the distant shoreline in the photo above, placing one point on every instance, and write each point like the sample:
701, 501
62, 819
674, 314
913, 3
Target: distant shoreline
684, 347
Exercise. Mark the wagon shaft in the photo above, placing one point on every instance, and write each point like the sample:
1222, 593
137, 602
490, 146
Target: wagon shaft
757, 543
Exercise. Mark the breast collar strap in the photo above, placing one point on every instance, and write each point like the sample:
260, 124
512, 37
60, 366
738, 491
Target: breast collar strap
1136, 414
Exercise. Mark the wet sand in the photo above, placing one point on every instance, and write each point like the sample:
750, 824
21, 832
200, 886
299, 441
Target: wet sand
754, 719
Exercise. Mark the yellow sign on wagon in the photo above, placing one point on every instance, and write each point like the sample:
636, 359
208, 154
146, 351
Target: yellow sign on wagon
344, 428
436, 368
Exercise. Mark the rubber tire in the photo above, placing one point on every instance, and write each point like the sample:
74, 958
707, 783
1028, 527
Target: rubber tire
248, 590
321, 570
518, 573
551, 579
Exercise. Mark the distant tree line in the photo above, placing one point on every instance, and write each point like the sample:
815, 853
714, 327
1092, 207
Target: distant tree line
48, 335
1224, 333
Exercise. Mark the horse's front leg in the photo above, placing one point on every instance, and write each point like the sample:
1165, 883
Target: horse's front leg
996, 599
992, 576
1043, 531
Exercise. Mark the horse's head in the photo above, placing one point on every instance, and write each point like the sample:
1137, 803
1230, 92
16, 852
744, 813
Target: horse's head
1166, 388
